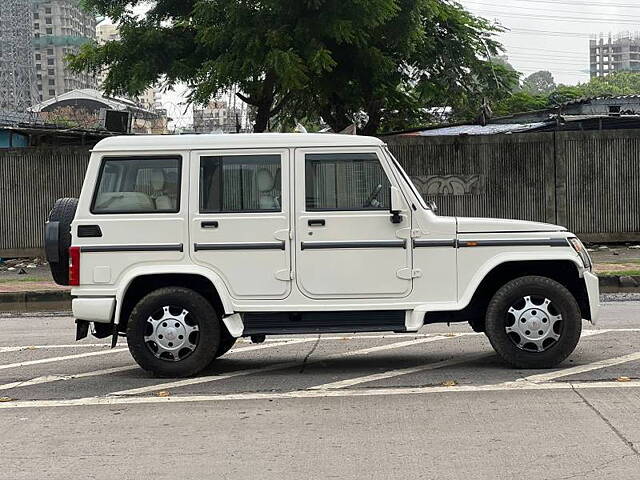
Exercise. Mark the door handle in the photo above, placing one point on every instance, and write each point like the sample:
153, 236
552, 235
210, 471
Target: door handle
318, 222
210, 224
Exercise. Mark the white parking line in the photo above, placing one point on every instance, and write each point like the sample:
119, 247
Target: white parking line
57, 378
277, 366
107, 371
335, 393
397, 372
46, 347
609, 362
60, 359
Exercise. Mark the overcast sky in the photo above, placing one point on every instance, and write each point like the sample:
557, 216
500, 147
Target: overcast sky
554, 34
543, 35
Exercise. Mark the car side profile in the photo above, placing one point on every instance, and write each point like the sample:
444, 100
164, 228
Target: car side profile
186, 243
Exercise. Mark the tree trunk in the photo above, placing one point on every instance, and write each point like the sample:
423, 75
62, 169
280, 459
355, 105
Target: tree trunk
262, 118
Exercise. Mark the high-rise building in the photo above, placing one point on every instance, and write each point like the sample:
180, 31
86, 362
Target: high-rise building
60, 27
217, 116
619, 53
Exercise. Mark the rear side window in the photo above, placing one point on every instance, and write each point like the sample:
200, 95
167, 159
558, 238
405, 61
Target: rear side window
240, 183
345, 181
138, 185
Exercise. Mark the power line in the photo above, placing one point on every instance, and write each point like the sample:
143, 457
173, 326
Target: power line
555, 18
582, 3
480, 3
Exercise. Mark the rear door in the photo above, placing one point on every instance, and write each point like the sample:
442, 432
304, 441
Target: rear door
239, 219
346, 244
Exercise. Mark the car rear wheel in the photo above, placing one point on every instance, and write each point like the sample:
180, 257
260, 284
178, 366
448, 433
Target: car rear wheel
533, 322
173, 332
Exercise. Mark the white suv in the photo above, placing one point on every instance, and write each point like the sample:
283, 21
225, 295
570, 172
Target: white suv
185, 243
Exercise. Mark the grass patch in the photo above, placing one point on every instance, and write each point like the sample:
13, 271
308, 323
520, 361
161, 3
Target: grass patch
22, 278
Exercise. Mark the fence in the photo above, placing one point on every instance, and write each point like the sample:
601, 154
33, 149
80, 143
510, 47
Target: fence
586, 181
30, 182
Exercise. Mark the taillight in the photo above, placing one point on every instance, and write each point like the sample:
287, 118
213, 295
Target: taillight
74, 266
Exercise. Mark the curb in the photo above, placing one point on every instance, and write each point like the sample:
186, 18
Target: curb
60, 300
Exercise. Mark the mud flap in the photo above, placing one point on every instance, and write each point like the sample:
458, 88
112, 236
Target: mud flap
82, 329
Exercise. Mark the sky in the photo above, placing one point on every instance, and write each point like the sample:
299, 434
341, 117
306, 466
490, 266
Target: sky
542, 35
554, 34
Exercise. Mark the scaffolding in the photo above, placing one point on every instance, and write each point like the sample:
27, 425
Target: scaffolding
17, 72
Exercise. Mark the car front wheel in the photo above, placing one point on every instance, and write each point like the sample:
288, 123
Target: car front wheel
173, 332
533, 322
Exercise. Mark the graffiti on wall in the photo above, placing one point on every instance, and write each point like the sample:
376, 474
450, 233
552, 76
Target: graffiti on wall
450, 184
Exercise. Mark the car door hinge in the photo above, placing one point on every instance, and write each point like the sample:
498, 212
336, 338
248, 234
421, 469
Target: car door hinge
408, 273
285, 275
283, 235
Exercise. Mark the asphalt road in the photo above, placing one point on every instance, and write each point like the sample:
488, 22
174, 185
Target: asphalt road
437, 405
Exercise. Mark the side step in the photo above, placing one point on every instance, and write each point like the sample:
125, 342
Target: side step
275, 323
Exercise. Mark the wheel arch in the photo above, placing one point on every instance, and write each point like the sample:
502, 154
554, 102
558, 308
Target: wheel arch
564, 271
140, 283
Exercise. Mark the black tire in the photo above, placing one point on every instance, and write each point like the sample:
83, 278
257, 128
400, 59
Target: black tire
63, 212
568, 328
200, 312
226, 342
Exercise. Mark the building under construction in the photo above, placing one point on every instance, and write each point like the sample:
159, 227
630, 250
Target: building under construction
619, 53
35, 36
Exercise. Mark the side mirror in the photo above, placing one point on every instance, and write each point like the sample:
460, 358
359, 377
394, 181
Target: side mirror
432, 206
397, 204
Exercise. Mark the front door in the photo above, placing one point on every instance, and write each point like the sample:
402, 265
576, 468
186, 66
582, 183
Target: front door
346, 244
239, 219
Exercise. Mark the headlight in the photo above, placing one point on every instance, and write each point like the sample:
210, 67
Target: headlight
582, 251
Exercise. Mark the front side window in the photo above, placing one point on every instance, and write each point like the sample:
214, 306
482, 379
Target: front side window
138, 185
345, 181
240, 183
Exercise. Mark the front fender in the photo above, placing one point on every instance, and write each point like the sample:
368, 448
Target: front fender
136, 272
469, 288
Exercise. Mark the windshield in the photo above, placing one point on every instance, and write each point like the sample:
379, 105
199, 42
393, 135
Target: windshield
404, 175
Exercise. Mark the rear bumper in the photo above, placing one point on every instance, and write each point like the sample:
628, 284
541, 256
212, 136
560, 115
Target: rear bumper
94, 309
593, 291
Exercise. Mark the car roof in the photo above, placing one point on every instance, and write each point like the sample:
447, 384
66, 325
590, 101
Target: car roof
237, 140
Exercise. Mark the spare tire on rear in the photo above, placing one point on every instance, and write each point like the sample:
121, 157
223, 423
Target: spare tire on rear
57, 238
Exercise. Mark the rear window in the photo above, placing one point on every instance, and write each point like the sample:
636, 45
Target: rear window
138, 185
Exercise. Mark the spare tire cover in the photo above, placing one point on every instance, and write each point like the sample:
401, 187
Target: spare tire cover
58, 238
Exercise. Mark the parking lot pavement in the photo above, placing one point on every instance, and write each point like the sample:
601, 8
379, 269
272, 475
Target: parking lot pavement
438, 404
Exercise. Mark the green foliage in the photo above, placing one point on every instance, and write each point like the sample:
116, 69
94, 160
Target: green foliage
382, 63
539, 83
520, 102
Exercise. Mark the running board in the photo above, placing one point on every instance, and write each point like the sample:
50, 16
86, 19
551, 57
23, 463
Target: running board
276, 323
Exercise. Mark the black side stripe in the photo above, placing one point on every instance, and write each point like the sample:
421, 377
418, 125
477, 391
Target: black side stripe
132, 248
434, 243
537, 242
239, 246
367, 244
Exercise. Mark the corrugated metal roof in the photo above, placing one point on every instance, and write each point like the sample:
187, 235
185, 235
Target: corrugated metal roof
491, 129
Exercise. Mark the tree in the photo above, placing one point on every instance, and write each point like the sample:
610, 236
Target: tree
520, 102
539, 83
339, 59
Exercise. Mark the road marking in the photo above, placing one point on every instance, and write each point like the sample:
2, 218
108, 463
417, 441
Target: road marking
107, 371
57, 378
397, 372
277, 366
46, 347
545, 377
335, 393
60, 359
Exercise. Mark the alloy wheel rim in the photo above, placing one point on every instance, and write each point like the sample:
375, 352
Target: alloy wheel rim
171, 333
533, 323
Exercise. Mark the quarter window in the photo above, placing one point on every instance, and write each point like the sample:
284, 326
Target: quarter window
345, 181
240, 183
138, 185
